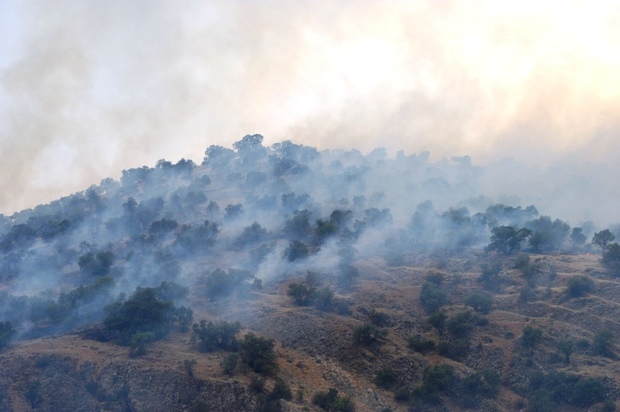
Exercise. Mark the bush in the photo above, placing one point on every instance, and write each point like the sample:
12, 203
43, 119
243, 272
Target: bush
579, 286
296, 250
485, 383
138, 343
531, 336
432, 297
259, 354
438, 321
490, 272
208, 337
385, 378
454, 349
96, 264
301, 294
601, 344
281, 390
6, 333
462, 325
229, 364
419, 344
479, 302
438, 378
332, 402
143, 311
368, 334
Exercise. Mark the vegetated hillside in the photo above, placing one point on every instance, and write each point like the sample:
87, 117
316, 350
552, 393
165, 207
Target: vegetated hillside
285, 278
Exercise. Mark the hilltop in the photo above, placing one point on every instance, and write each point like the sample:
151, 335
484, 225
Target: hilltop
396, 282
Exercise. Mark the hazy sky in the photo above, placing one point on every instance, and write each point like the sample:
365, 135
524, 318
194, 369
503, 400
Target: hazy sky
88, 88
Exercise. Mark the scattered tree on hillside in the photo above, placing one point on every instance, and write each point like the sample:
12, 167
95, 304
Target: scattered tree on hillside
506, 239
602, 239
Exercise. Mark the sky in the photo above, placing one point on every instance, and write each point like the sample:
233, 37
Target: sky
89, 88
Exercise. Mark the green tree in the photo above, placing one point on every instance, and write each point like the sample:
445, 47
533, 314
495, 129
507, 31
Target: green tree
221, 335
6, 333
566, 347
229, 364
259, 354
432, 297
368, 334
479, 302
602, 239
602, 342
138, 343
579, 286
506, 239
330, 401
385, 378
296, 250
531, 336
301, 294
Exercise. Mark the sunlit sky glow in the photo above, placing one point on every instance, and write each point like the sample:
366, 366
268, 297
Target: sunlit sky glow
88, 88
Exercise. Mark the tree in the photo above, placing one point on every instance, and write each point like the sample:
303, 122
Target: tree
296, 250
138, 343
432, 297
259, 354
579, 286
577, 236
229, 364
602, 239
566, 347
531, 336
301, 294
480, 302
6, 333
368, 334
505, 239
330, 401
209, 337
601, 344
385, 378
143, 311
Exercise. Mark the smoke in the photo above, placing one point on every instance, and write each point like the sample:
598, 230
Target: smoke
88, 88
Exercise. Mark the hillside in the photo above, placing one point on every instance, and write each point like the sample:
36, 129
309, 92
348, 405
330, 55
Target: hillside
384, 279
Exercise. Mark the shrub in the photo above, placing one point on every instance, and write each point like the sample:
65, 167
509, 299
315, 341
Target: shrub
531, 336
143, 311
479, 302
579, 286
485, 383
601, 344
138, 343
281, 390
490, 272
462, 325
368, 334
96, 264
378, 318
438, 321
229, 364
332, 402
438, 378
259, 354
296, 250
301, 294
6, 333
209, 337
432, 297
385, 378
419, 344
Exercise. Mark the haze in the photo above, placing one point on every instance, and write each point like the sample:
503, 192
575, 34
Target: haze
88, 88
